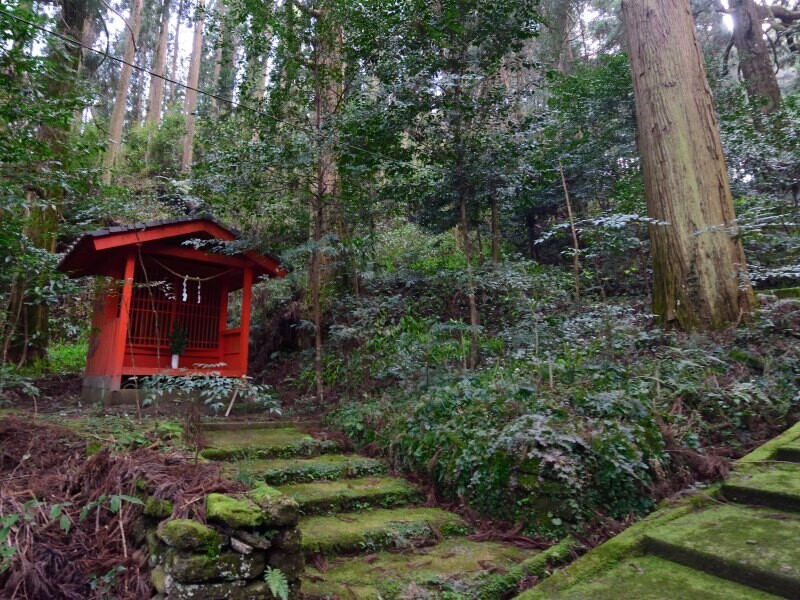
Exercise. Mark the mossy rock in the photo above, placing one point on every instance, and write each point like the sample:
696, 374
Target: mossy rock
327, 467
231, 590
277, 509
289, 540
377, 529
784, 293
291, 565
158, 579
186, 534
237, 513
159, 508
188, 567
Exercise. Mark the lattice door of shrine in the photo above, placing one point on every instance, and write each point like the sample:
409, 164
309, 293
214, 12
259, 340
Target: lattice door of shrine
163, 302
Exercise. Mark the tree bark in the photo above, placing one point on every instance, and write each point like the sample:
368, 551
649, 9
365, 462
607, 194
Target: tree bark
156, 95
754, 57
699, 267
121, 97
173, 69
190, 102
495, 234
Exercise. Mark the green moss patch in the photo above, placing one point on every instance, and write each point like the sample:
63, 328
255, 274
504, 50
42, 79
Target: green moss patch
374, 530
776, 486
233, 512
352, 494
270, 442
457, 564
327, 467
187, 534
755, 547
789, 451
652, 578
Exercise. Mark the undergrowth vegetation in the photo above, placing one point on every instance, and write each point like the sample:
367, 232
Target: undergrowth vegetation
578, 411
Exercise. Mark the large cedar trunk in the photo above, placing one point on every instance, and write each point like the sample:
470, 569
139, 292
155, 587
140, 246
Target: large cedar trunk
121, 97
754, 56
190, 101
156, 96
699, 268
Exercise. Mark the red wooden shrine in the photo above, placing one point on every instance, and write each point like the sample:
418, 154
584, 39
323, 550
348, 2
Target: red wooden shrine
157, 286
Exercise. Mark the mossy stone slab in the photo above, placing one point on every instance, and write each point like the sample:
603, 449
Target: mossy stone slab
352, 494
777, 486
269, 442
460, 562
652, 578
377, 529
327, 467
756, 547
789, 452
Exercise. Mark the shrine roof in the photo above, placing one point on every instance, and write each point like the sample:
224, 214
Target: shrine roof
92, 252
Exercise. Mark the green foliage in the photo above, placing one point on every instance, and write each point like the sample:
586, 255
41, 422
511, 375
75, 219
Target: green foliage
12, 380
277, 583
208, 387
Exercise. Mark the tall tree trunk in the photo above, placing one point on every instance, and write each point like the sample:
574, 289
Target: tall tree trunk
121, 97
699, 268
190, 102
754, 57
28, 318
173, 69
156, 96
218, 57
327, 94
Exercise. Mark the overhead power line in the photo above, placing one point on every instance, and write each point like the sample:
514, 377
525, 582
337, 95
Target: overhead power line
203, 92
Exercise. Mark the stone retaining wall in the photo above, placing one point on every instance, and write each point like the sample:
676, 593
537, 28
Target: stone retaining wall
229, 558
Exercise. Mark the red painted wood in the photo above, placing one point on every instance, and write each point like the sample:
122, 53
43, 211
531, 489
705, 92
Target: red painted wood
199, 256
244, 327
160, 232
117, 352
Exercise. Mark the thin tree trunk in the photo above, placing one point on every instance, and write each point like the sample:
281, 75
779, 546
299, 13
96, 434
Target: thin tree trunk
156, 96
173, 69
121, 97
576, 264
699, 268
754, 57
495, 234
190, 103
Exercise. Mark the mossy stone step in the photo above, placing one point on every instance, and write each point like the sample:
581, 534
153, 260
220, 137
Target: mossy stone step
282, 471
264, 442
369, 531
776, 486
352, 494
755, 547
789, 451
419, 573
651, 578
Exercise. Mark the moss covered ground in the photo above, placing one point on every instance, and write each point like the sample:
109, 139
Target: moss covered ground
454, 564
268, 442
326, 467
352, 494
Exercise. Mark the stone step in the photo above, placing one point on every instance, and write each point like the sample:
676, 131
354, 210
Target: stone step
327, 467
209, 425
263, 442
776, 486
457, 564
789, 452
329, 497
370, 531
754, 547
650, 578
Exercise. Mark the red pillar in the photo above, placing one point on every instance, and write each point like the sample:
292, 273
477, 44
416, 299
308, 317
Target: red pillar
244, 329
118, 351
